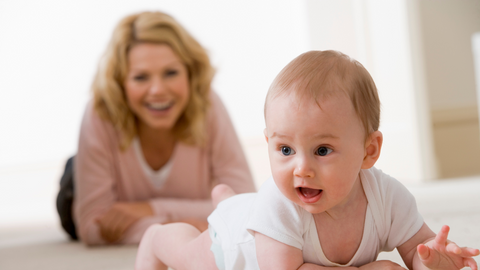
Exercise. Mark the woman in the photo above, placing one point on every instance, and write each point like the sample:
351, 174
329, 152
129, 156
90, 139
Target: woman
155, 139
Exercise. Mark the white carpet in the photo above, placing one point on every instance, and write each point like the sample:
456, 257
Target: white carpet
31, 238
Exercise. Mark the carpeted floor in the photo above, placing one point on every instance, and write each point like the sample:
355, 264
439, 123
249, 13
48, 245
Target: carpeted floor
30, 236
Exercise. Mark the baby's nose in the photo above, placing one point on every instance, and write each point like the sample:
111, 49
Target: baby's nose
304, 169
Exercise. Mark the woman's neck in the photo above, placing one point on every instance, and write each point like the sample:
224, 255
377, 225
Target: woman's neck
155, 138
157, 145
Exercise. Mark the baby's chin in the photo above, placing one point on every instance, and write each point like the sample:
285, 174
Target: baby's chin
312, 209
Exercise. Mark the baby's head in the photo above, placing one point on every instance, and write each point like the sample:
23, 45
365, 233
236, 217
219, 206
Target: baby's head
322, 114
316, 75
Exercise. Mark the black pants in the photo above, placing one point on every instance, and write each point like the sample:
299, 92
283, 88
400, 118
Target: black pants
65, 200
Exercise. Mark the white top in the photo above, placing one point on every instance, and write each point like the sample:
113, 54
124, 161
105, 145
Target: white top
158, 177
391, 219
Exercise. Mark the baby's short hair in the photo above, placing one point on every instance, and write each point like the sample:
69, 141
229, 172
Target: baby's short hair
319, 74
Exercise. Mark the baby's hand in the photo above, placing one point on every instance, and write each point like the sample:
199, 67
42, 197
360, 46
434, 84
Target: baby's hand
441, 253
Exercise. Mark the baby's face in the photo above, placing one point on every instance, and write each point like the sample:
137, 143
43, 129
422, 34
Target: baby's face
315, 154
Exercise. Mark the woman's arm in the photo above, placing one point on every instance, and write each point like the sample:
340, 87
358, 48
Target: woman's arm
120, 217
94, 183
228, 163
182, 210
96, 206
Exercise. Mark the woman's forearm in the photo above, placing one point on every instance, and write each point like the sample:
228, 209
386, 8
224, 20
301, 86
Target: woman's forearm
175, 209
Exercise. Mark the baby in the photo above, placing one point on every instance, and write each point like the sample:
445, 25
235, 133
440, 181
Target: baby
325, 204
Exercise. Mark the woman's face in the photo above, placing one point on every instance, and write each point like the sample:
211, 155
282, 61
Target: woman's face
156, 85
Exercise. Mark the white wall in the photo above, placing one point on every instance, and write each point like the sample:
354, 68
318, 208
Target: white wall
380, 34
476, 53
49, 52
447, 29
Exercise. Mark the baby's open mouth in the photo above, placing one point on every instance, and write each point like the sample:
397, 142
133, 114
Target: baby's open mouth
310, 192
309, 195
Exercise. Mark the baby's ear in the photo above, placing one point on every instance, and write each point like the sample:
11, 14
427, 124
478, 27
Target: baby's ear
373, 146
265, 133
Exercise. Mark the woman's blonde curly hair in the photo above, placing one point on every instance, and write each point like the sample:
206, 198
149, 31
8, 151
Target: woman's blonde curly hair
108, 86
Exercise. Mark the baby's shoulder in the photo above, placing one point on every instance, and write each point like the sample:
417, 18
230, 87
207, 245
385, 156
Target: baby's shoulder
379, 183
271, 206
271, 197
277, 217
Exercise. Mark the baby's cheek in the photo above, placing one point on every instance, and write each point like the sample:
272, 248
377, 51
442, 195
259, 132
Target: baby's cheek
288, 191
280, 170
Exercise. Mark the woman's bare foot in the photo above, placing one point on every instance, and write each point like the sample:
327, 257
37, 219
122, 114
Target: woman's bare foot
221, 192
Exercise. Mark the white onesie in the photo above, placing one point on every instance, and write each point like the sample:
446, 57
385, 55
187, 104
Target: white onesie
391, 219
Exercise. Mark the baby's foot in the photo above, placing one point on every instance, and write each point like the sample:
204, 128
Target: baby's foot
146, 259
221, 192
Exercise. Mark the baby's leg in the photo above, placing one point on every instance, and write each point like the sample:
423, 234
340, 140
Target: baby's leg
221, 192
178, 245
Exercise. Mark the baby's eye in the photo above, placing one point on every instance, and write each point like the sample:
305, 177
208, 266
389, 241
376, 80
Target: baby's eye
323, 151
286, 151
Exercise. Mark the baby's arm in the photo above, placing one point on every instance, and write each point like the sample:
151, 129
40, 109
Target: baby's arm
376, 265
425, 250
272, 254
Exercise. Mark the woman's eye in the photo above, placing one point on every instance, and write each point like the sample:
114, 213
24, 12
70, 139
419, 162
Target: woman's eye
171, 73
323, 151
139, 78
286, 151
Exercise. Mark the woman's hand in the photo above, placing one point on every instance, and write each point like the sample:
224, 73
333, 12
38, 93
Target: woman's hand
441, 253
120, 217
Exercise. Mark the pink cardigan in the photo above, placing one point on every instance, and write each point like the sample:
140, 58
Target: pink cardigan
105, 175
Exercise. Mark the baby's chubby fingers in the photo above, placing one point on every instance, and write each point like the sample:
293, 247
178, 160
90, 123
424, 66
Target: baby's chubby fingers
462, 251
470, 252
423, 252
470, 262
442, 236
453, 248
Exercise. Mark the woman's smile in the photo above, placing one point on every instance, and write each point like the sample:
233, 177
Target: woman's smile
160, 106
